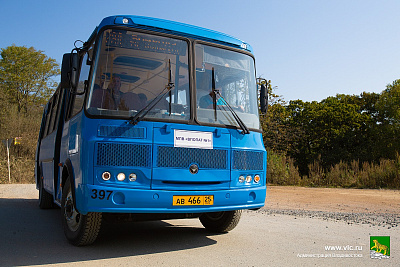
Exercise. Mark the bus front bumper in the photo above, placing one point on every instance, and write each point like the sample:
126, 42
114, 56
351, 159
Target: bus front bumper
93, 198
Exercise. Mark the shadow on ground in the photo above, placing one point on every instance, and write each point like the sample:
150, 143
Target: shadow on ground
31, 236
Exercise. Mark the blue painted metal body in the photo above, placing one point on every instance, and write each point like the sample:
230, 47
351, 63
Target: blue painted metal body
176, 28
96, 145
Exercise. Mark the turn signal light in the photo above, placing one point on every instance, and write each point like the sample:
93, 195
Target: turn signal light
132, 177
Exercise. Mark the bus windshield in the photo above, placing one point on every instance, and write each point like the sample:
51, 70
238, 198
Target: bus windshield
133, 68
234, 78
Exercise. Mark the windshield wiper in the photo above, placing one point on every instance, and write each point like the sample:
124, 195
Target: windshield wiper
168, 87
216, 92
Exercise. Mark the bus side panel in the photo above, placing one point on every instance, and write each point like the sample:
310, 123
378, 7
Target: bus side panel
37, 154
46, 159
63, 154
75, 153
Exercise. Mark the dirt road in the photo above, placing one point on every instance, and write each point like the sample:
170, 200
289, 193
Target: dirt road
334, 199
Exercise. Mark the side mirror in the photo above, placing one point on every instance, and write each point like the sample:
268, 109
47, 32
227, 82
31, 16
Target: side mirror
263, 99
69, 71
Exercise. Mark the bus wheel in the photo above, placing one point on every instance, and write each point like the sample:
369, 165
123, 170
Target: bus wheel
45, 198
79, 229
221, 222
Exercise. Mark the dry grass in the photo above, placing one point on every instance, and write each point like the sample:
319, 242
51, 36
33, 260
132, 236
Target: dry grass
22, 171
384, 174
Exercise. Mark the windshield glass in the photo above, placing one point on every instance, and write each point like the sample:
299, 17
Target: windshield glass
133, 68
234, 77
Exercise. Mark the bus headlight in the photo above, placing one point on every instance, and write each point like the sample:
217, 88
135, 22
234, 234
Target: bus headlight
132, 177
241, 179
121, 176
257, 178
248, 179
106, 176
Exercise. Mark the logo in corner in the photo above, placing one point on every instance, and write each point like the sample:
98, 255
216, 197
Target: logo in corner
380, 247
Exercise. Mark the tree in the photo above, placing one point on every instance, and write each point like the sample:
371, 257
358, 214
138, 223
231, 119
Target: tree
26, 83
389, 103
26, 76
388, 106
329, 131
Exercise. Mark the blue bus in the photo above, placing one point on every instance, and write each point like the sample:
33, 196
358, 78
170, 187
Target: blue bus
153, 119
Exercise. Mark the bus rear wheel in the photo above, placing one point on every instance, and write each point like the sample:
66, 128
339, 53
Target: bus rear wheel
221, 222
45, 198
79, 229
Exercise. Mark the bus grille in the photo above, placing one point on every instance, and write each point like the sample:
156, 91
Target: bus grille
121, 131
181, 157
110, 154
247, 160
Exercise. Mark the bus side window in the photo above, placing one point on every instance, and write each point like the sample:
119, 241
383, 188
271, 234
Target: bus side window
53, 112
59, 107
77, 100
48, 115
45, 125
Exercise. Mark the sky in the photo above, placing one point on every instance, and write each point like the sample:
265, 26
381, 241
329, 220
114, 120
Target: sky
309, 49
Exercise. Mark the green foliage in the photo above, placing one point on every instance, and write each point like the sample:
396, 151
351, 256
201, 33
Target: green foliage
384, 174
278, 135
26, 76
328, 140
281, 170
389, 104
332, 128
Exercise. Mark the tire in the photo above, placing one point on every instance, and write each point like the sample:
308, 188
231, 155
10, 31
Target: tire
45, 198
79, 229
221, 222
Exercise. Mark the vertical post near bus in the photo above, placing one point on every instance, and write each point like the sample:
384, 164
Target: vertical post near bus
148, 123
7, 143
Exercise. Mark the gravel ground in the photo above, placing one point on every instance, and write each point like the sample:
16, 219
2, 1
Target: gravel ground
372, 219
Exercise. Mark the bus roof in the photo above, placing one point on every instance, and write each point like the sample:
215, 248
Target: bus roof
181, 29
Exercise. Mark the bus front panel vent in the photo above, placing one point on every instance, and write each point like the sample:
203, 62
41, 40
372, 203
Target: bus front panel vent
121, 131
117, 154
248, 160
182, 157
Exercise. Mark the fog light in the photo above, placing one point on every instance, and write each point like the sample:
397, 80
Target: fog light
241, 179
132, 177
121, 176
248, 179
257, 178
106, 176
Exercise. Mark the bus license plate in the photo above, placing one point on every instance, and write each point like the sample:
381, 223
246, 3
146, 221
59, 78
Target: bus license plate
192, 200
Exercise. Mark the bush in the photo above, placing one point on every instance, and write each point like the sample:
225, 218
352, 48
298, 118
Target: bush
22, 155
281, 170
386, 174
22, 171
